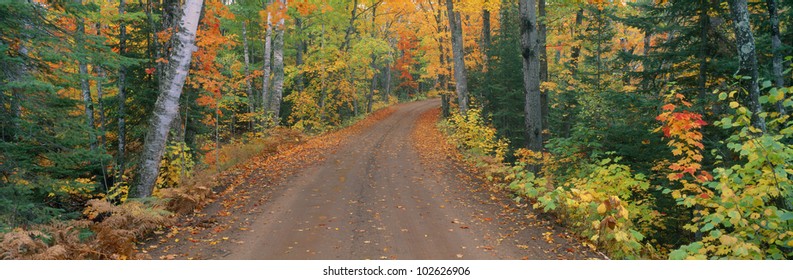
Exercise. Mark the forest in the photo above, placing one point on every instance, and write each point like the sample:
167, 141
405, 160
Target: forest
651, 129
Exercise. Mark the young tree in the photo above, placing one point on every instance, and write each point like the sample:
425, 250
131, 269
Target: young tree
167, 105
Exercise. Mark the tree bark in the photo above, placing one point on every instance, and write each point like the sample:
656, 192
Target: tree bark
300, 48
485, 36
248, 85
776, 48
542, 33
85, 87
278, 68
100, 74
704, 25
122, 95
529, 42
268, 43
167, 105
747, 57
461, 81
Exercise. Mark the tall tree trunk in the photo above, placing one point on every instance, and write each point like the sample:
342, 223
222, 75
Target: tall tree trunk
704, 25
485, 37
776, 48
443, 62
345, 46
278, 67
85, 87
370, 97
461, 81
529, 42
167, 105
373, 65
322, 89
100, 74
575, 52
268, 43
300, 48
542, 33
747, 57
248, 85
122, 95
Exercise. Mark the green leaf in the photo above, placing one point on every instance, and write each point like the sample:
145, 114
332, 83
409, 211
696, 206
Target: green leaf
766, 84
679, 254
637, 235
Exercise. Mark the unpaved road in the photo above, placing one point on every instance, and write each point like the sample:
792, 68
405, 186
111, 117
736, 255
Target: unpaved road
372, 197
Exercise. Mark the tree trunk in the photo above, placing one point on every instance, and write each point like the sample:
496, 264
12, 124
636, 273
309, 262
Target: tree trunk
100, 74
322, 90
345, 46
167, 105
248, 85
268, 42
85, 87
704, 24
575, 52
122, 95
542, 33
461, 81
443, 62
300, 48
776, 48
529, 42
747, 58
278, 68
485, 36
370, 97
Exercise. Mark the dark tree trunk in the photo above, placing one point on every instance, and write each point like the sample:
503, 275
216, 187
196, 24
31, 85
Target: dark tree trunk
460, 78
122, 95
776, 48
248, 85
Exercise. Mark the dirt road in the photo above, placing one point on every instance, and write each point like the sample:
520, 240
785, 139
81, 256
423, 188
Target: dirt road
372, 197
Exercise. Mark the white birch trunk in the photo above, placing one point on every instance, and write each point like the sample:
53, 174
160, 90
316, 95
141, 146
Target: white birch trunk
167, 105
278, 69
268, 42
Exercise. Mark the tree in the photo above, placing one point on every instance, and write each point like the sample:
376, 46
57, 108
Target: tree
167, 105
747, 57
460, 78
776, 49
529, 42
278, 64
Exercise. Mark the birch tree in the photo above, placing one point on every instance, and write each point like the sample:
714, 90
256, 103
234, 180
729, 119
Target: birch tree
278, 65
167, 105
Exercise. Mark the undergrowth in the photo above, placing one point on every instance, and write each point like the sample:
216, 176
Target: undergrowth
740, 209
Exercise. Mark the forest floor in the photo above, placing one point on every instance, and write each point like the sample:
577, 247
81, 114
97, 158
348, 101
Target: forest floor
387, 187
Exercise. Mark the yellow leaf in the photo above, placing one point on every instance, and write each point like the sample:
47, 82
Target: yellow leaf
734, 104
602, 208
